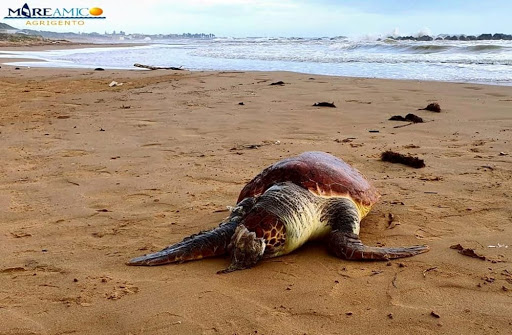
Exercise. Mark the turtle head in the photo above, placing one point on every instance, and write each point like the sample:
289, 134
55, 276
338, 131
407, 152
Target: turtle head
246, 250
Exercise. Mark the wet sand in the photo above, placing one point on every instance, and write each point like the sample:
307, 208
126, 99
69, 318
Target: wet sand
92, 176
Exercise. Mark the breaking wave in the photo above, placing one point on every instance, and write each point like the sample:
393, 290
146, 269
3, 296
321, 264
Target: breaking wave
464, 61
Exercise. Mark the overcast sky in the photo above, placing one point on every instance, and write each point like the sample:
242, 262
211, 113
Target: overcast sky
307, 18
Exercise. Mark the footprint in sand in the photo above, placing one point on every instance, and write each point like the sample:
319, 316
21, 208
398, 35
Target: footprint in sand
102, 287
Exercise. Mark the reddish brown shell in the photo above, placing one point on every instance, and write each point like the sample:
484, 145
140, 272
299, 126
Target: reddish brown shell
320, 173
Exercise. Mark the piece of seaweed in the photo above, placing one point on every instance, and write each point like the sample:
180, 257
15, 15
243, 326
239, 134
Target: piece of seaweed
413, 118
280, 83
467, 252
433, 107
397, 118
409, 117
395, 157
324, 104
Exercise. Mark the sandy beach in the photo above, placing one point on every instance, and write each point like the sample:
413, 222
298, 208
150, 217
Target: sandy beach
93, 175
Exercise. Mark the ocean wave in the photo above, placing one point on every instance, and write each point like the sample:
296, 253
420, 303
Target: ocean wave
420, 47
429, 48
485, 47
466, 61
337, 56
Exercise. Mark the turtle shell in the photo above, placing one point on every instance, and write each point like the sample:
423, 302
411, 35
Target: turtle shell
319, 172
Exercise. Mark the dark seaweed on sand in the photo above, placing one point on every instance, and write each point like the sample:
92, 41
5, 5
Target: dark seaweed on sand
324, 104
395, 157
279, 83
409, 117
433, 107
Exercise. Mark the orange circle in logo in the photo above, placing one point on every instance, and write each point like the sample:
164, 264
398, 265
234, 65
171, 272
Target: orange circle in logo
95, 11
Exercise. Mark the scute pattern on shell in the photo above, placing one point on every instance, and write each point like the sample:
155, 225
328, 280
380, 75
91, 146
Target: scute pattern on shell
319, 172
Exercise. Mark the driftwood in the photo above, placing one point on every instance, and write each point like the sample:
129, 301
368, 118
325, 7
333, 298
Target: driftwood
157, 67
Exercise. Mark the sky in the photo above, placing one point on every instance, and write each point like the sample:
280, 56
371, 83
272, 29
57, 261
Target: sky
299, 18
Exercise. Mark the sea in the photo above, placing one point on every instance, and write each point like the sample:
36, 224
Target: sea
486, 62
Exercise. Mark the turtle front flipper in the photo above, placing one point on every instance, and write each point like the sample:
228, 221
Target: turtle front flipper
343, 215
347, 245
214, 242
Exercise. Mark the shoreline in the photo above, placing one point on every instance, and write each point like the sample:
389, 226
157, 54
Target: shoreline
13, 61
94, 175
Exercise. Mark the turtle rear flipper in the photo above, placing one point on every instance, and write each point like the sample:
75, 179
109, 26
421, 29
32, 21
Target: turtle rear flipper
348, 246
214, 242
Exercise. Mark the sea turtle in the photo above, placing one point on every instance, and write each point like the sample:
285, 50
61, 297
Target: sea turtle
311, 196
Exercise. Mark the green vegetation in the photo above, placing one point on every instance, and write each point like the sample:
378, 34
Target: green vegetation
20, 38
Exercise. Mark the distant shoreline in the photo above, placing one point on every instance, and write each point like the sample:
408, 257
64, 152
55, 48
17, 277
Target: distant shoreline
69, 45
47, 47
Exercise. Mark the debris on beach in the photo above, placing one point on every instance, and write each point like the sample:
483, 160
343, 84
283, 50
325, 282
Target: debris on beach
99, 69
404, 125
158, 67
359, 101
374, 131
413, 118
278, 83
324, 104
428, 270
241, 103
246, 146
434, 314
409, 117
467, 252
114, 84
255, 146
393, 221
430, 178
433, 107
345, 140
499, 245
395, 157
